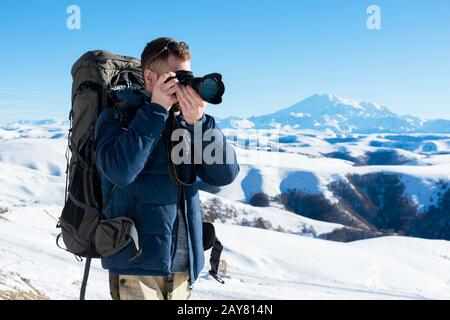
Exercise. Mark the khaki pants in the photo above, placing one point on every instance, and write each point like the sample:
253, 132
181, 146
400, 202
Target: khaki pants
150, 287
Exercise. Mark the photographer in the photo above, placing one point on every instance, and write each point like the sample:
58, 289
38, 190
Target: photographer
134, 162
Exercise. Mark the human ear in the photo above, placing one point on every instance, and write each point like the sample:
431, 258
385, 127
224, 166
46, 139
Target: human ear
150, 77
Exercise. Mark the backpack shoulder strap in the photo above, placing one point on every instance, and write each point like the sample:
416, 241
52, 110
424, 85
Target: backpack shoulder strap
126, 103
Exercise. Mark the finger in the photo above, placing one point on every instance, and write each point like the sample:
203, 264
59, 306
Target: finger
178, 91
188, 96
166, 76
181, 96
190, 107
168, 85
183, 105
197, 102
171, 91
195, 96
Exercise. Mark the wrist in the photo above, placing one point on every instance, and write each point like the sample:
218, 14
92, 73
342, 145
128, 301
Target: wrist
194, 122
190, 125
158, 107
160, 103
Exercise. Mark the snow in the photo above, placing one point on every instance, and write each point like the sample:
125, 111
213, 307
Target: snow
278, 218
338, 100
300, 114
261, 264
305, 165
242, 124
268, 265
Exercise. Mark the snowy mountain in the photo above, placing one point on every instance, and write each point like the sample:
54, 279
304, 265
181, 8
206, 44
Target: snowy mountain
275, 252
324, 112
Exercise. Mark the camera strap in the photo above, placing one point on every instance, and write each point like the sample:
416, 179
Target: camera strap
176, 171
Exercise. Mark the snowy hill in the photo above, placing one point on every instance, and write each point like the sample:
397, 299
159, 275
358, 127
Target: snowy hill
270, 253
261, 264
324, 112
311, 168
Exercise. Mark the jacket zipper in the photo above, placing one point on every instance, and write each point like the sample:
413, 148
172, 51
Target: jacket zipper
183, 214
188, 237
175, 245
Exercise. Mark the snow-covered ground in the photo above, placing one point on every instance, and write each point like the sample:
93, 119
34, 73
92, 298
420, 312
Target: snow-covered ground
270, 265
261, 264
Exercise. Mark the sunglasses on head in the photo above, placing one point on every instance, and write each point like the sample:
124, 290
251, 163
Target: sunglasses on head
173, 47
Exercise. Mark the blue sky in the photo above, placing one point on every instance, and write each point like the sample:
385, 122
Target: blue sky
272, 53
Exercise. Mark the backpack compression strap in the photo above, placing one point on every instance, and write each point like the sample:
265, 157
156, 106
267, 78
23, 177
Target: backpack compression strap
87, 268
215, 260
129, 230
210, 241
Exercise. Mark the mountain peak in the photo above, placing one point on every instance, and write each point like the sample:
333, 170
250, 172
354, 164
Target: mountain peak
332, 99
334, 106
327, 111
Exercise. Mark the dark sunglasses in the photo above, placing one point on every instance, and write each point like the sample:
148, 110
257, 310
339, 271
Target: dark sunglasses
173, 47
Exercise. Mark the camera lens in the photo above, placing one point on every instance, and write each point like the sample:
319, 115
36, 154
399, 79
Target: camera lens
209, 88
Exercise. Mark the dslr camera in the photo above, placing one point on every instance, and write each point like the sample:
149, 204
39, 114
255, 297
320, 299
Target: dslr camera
210, 87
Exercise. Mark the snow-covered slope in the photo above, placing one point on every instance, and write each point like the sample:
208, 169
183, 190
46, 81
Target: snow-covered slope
285, 262
32, 162
217, 209
270, 265
260, 264
329, 112
275, 172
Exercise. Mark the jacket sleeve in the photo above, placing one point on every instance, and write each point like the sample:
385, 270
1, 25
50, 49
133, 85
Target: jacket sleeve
206, 142
121, 154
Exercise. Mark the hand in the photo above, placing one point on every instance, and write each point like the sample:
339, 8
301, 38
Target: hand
192, 105
164, 93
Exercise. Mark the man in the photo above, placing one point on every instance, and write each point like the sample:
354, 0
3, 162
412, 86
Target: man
134, 160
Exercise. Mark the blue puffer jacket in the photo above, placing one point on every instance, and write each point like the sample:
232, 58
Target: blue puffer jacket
135, 160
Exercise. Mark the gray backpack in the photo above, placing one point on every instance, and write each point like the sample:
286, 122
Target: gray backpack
98, 77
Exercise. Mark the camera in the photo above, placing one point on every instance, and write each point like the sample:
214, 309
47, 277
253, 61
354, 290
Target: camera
210, 87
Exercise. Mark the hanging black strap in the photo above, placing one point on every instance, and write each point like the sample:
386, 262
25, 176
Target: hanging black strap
58, 237
87, 268
173, 169
215, 260
175, 177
